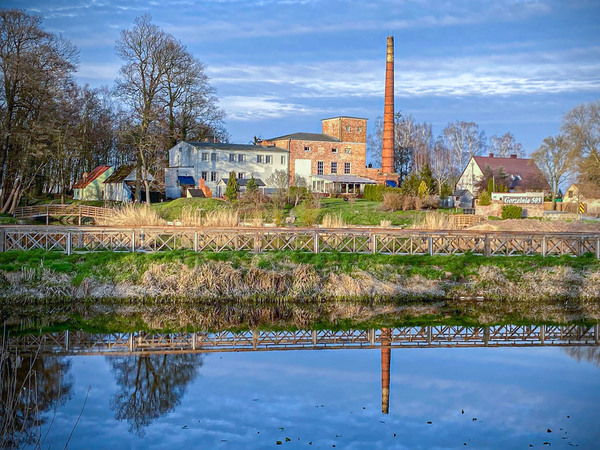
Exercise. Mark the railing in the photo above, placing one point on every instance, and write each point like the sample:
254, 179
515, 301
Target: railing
78, 342
53, 210
346, 240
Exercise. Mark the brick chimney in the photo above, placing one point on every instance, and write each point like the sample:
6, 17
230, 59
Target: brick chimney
387, 154
491, 155
513, 156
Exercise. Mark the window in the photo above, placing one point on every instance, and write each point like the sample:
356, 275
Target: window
205, 176
231, 157
359, 129
204, 156
240, 158
334, 167
213, 156
319, 167
346, 168
333, 150
241, 175
269, 159
348, 151
213, 176
259, 158
306, 148
282, 160
348, 128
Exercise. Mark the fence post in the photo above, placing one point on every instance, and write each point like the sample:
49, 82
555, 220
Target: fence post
544, 248
257, 243
316, 242
47, 214
2, 233
133, 241
195, 241
430, 245
486, 245
373, 243
597, 247
68, 242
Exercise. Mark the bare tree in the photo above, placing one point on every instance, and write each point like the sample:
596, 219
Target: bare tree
465, 140
556, 159
441, 163
280, 180
506, 145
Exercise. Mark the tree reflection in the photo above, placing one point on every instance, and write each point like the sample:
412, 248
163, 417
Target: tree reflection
151, 386
590, 354
29, 387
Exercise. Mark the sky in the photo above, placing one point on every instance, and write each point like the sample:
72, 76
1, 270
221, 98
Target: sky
280, 66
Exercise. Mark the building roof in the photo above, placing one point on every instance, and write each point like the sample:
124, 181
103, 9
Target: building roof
196, 193
344, 117
244, 181
236, 147
319, 137
523, 170
345, 179
185, 180
119, 175
86, 180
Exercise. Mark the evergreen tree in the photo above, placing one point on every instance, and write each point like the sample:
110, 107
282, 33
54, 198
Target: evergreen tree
233, 187
251, 186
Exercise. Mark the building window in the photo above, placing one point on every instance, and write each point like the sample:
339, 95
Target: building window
348, 128
348, 150
282, 160
346, 168
213, 156
241, 175
333, 150
259, 158
204, 156
306, 148
213, 176
359, 129
269, 159
319, 167
205, 176
231, 157
240, 158
333, 167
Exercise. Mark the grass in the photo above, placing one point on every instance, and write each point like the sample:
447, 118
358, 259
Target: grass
173, 210
361, 212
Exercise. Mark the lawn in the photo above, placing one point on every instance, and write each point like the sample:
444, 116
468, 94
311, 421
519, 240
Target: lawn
172, 210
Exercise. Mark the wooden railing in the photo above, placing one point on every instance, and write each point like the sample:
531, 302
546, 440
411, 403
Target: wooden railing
78, 342
54, 210
346, 240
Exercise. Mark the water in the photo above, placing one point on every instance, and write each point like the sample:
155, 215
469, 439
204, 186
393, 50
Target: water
479, 397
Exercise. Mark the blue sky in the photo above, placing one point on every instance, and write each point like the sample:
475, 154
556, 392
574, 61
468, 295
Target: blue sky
281, 66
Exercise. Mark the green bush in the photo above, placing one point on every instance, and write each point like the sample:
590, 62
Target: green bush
485, 198
374, 192
512, 212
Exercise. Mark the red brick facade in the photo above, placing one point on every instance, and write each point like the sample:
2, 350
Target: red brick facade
344, 140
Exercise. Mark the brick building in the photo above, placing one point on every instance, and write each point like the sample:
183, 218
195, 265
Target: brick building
340, 150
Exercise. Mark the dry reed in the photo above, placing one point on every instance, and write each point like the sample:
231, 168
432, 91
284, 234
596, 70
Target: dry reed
333, 221
221, 218
434, 221
134, 215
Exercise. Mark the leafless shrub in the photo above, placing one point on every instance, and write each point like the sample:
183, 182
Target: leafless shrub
392, 201
408, 202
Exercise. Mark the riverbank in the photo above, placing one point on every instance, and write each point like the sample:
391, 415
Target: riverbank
286, 276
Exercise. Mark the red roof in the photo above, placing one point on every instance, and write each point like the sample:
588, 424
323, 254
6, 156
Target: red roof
524, 170
85, 181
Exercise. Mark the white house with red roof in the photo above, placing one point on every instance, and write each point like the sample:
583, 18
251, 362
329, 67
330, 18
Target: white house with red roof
91, 185
523, 174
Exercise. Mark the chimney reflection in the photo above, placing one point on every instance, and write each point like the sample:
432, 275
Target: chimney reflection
386, 355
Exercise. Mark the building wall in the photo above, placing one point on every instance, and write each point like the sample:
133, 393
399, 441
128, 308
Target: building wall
346, 129
469, 177
117, 192
186, 160
94, 190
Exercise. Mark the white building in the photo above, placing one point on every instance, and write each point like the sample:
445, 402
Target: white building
210, 161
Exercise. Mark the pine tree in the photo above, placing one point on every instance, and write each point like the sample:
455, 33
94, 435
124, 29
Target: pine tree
233, 187
251, 186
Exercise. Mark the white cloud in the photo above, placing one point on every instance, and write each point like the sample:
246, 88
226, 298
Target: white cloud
244, 108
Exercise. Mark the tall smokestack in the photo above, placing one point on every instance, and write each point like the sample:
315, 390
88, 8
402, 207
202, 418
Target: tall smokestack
387, 154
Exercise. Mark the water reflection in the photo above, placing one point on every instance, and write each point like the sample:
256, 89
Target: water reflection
30, 387
150, 386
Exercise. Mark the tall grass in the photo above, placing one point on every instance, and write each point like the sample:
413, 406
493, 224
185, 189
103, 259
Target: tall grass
333, 221
434, 221
221, 218
133, 215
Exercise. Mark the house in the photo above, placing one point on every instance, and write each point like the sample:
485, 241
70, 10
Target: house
339, 150
340, 184
120, 185
190, 162
523, 174
242, 182
91, 185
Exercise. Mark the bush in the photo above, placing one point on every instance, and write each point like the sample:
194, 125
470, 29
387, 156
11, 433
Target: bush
512, 212
308, 216
408, 202
485, 198
431, 202
392, 201
374, 192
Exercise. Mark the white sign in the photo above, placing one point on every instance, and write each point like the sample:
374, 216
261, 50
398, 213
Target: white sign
525, 198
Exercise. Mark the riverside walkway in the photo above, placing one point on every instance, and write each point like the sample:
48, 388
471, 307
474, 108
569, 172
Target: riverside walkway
392, 241
79, 342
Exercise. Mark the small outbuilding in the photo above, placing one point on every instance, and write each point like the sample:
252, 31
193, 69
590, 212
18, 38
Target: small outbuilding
120, 185
91, 185
242, 182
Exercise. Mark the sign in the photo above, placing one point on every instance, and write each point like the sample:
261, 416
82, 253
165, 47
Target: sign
522, 200
581, 208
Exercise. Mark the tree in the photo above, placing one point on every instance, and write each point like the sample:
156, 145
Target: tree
505, 146
441, 164
498, 177
36, 70
299, 190
233, 187
464, 140
251, 185
556, 159
280, 180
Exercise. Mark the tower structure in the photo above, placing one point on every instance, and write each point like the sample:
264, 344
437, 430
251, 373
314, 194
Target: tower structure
387, 155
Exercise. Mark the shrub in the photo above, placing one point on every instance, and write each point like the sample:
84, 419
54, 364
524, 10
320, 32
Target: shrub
308, 216
485, 198
407, 202
374, 192
512, 212
392, 201
431, 202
